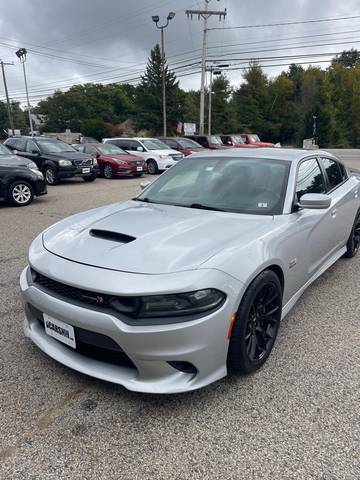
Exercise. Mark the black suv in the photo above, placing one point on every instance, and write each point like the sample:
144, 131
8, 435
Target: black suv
20, 179
55, 159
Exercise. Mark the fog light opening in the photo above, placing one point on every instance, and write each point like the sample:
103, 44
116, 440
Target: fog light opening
185, 367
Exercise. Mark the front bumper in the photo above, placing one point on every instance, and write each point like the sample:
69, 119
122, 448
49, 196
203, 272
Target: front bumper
201, 342
164, 164
40, 187
68, 172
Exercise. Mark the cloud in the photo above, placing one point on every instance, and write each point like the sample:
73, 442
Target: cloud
70, 41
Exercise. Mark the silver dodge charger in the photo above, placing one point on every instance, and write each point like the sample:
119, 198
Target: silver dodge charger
188, 281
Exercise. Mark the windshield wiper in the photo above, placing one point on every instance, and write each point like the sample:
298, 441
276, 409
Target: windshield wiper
205, 207
145, 199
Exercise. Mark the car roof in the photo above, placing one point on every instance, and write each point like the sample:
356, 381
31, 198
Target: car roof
288, 154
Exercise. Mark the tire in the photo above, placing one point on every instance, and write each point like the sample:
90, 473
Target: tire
108, 171
256, 325
51, 176
353, 243
20, 193
92, 178
152, 167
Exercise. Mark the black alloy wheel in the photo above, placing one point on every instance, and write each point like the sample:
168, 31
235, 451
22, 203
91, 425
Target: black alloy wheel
152, 167
256, 325
108, 171
353, 243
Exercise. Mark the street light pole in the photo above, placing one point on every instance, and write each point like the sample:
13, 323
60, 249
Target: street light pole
7, 97
155, 19
21, 54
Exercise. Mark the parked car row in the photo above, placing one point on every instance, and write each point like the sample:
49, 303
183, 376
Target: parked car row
52, 160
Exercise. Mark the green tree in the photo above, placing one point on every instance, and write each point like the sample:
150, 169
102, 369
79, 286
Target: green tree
149, 97
94, 127
223, 120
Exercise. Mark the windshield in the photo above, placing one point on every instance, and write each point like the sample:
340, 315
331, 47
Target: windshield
254, 186
155, 144
254, 138
4, 150
238, 139
215, 139
110, 149
187, 143
54, 146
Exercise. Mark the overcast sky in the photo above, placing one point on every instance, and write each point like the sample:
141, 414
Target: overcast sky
74, 41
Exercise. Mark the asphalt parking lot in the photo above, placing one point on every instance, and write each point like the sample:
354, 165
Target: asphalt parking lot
297, 418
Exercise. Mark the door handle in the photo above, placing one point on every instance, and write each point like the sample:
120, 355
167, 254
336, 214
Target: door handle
333, 213
356, 194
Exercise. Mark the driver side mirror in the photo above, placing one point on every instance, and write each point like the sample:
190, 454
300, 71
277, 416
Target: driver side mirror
314, 201
15, 152
35, 152
140, 149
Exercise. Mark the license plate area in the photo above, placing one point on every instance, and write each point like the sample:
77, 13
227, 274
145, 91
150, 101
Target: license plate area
59, 330
139, 169
86, 170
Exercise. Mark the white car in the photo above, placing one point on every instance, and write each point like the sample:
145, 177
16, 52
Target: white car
158, 155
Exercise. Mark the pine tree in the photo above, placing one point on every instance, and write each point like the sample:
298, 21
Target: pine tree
149, 97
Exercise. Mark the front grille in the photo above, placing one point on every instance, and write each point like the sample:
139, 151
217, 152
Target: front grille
83, 163
125, 305
92, 344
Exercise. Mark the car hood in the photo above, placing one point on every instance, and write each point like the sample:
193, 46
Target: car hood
69, 155
127, 157
164, 152
151, 238
14, 161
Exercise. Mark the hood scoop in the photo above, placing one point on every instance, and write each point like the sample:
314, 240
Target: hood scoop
112, 236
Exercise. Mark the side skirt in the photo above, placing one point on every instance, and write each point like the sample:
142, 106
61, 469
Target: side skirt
290, 304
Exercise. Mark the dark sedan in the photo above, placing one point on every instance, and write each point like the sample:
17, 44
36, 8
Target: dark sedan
114, 161
20, 179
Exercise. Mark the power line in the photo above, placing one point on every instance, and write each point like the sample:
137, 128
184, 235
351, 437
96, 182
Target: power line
321, 20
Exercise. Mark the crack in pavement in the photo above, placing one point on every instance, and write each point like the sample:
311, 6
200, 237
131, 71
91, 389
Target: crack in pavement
41, 423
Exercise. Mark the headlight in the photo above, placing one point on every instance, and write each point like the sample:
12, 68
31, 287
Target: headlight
65, 163
120, 162
33, 167
95, 162
180, 303
163, 157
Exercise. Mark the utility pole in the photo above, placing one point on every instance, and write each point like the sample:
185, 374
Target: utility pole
155, 19
205, 15
7, 97
314, 129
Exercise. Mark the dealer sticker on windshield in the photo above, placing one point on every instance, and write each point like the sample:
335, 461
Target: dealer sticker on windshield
59, 330
262, 205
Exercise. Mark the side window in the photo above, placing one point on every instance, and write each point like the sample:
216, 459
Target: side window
310, 178
118, 143
333, 172
133, 144
202, 141
170, 143
10, 143
20, 144
89, 149
31, 147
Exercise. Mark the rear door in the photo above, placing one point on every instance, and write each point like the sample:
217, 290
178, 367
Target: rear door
32, 152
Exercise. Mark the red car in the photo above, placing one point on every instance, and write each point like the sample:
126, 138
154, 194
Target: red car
114, 161
236, 141
213, 142
252, 139
183, 145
